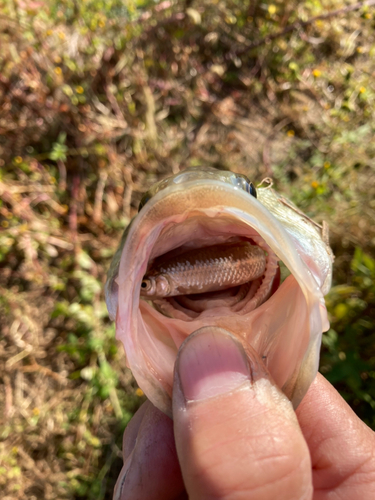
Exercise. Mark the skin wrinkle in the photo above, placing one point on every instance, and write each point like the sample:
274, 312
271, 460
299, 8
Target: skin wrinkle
353, 474
207, 453
334, 433
284, 478
243, 489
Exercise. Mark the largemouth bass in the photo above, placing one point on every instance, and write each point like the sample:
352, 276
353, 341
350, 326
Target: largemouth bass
185, 225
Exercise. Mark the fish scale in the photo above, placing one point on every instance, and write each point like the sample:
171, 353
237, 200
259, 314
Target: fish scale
210, 269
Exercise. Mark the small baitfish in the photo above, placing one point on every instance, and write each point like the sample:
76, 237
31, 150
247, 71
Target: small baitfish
202, 270
205, 250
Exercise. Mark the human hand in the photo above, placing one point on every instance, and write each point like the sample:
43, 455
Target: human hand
235, 436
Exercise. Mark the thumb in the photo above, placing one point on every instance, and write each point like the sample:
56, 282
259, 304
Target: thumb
236, 434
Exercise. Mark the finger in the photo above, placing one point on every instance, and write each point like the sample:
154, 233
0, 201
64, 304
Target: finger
342, 447
151, 470
131, 431
237, 436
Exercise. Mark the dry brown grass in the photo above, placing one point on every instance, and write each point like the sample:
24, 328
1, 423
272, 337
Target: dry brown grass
95, 107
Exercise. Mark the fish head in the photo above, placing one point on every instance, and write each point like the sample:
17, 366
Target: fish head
282, 320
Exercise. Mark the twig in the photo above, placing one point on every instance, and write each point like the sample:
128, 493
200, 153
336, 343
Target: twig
20, 188
8, 397
98, 204
302, 24
18, 357
116, 108
35, 367
73, 220
62, 175
129, 186
150, 112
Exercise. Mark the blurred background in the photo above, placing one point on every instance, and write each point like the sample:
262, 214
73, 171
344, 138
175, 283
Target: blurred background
100, 99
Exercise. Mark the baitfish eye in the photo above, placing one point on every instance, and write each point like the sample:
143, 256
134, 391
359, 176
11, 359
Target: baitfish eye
143, 201
244, 183
146, 284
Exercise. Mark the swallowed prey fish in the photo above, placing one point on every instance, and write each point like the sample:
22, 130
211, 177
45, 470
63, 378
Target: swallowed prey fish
204, 270
205, 250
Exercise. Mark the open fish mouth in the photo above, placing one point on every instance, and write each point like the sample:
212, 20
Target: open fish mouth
205, 209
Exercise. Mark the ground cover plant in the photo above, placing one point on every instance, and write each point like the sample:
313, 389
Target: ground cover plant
98, 100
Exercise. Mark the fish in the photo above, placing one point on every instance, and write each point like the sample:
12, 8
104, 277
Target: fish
196, 216
202, 270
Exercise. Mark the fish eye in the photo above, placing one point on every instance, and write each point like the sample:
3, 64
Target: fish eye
244, 183
252, 190
145, 198
146, 284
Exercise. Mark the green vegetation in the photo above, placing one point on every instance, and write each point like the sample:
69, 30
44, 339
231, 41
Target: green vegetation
98, 101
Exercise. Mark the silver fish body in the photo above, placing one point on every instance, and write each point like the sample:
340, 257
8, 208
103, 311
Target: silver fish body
282, 321
202, 270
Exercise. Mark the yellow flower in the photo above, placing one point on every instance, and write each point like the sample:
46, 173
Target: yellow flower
368, 15
317, 73
326, 165
315, 184
80, 89
139, 392
18, 160
272, 9
58, 70
360, 50
290, 133
362, 90
101, 23
49, 32
36, 412
57, 59
61, 35
230, 19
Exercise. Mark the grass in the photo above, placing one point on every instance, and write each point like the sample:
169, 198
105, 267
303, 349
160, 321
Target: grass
100, 100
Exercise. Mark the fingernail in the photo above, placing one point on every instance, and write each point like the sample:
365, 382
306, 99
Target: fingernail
211, 362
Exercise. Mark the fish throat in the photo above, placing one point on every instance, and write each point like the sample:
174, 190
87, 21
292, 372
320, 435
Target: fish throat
235, 273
